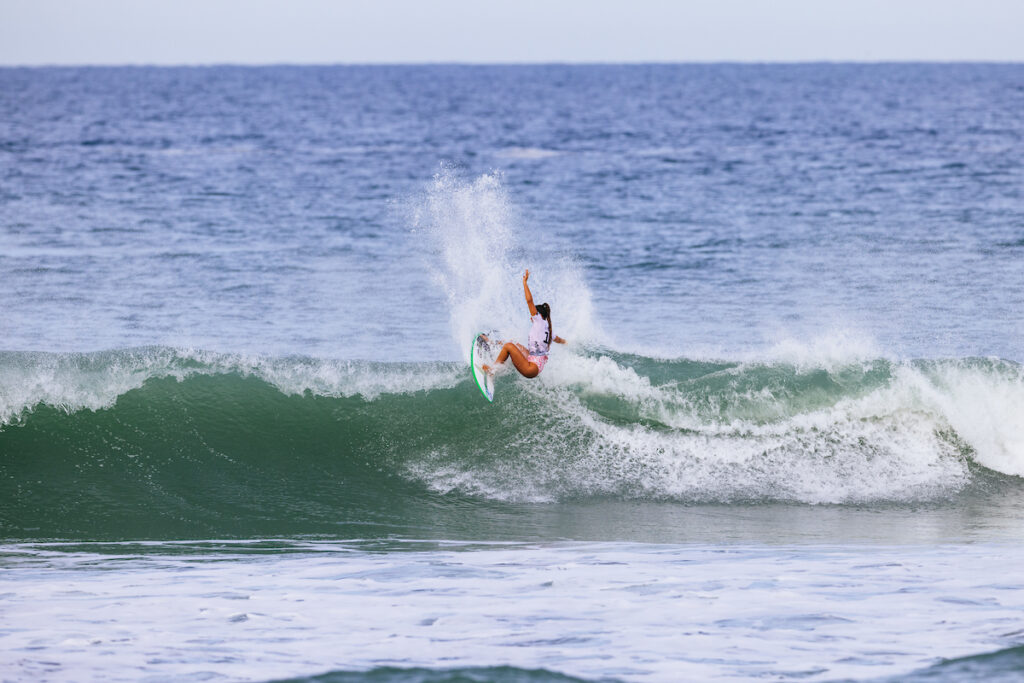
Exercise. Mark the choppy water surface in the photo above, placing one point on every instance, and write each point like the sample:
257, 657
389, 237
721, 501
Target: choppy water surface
291, 209
624, 611
238, 438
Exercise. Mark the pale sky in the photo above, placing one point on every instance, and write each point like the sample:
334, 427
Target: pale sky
38, 32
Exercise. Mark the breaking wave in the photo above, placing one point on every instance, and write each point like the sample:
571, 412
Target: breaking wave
133, 442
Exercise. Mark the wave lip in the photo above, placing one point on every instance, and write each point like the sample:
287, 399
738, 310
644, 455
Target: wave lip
94, 381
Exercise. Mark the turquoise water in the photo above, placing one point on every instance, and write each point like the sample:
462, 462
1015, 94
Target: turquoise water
239, 438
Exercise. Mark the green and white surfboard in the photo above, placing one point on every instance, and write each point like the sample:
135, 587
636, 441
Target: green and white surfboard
479, 355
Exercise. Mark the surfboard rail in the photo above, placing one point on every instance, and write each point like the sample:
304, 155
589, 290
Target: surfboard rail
484, 381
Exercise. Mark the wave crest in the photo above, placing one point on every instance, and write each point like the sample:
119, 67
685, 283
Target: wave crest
94, 381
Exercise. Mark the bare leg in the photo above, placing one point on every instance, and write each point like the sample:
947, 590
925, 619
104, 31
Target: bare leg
519, 360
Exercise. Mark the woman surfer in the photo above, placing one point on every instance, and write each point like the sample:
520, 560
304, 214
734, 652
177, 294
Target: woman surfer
530, 361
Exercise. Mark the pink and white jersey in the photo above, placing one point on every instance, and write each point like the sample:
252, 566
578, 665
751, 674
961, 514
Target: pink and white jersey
540, 336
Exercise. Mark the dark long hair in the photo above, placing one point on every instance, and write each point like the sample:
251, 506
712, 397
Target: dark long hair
545, 312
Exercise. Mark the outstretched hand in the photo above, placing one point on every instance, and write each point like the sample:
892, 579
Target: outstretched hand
526, 275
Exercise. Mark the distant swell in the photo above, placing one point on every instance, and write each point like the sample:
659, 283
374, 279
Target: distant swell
161, 442
473, 674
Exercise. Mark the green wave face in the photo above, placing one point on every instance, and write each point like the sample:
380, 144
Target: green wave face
163, 444
218, 455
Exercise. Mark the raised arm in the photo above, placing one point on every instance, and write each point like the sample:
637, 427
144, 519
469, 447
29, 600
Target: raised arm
529, 297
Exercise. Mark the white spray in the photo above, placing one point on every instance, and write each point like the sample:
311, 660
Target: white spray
480, 250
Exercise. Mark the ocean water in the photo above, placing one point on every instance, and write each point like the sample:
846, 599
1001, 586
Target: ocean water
239, 440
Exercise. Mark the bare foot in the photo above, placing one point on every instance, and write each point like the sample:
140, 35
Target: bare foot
487, 369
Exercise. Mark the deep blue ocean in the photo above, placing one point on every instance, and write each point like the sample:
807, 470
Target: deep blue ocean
239, 438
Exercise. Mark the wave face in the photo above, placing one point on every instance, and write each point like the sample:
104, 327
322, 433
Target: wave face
155, 443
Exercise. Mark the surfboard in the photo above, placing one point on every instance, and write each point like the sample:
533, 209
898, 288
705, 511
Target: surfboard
480, 354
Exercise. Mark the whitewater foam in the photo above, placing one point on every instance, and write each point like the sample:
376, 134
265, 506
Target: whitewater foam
983, 402
835, 347
880, 432
527, 153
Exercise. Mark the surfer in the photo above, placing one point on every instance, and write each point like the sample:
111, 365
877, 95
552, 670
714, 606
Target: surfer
529, 361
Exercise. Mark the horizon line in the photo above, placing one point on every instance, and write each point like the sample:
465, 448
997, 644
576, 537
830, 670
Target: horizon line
696, 62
